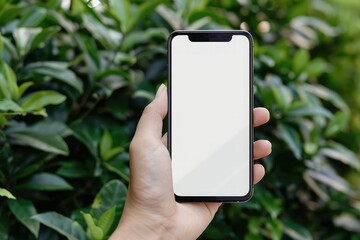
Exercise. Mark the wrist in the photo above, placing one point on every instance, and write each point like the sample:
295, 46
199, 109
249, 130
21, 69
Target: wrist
132, 232
137, 228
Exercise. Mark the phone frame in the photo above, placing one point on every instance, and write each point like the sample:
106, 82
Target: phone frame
214, 36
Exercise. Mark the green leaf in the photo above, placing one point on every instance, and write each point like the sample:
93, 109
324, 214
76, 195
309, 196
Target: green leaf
309, 111
7, 105
106, 220
350, 222
27, 39
8, 82
8, 12
113, 152
78, 7
48, 127
88, 135
141, 12
110, 80
337, 123
45, 142
119, 165
329, 177
316, 67
301, 60
275, 228
121, 11
254, 225
51, 127
105, 144
271, 204
61, 224
38, 100
4, 91
172, 17
9, 51
137, 37
1, 44
106, 36
27, 170
267, 60
201, 23
106, 150
90, 52
326, 94
24, 38
123, 74
339, 152
95, 231
23, 210
33, 17
46, 182
119, 168
291, 137
112, 194
6, 193
23, 87
40, 39
63, 20
56, 70
3, 120
73, 169
296, 231
282, 95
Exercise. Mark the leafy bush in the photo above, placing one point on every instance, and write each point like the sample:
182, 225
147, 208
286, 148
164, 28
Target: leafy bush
75, 76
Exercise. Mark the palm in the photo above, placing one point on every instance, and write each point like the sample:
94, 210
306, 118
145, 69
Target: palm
160, 202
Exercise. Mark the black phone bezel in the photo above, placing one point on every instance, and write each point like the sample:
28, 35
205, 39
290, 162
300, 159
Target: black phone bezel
215, 36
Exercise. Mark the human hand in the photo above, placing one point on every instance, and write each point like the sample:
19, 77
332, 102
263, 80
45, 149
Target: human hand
151, 211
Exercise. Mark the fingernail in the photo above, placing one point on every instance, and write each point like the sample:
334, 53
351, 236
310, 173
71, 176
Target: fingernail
269, 144
160, 90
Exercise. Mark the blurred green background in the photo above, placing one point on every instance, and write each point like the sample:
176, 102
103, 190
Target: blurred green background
76, 75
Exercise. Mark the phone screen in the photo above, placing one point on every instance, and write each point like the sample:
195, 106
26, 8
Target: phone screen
210, 108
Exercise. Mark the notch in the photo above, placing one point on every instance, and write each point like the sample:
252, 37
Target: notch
210, 37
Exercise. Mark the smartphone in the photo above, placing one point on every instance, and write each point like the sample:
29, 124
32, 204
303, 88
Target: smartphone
210, 132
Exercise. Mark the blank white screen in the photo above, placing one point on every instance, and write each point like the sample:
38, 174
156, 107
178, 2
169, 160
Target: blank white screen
210, 117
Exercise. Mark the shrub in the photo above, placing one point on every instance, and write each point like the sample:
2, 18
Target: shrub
75, 78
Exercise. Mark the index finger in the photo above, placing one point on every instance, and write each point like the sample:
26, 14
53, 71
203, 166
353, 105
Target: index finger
151, 121
261, 116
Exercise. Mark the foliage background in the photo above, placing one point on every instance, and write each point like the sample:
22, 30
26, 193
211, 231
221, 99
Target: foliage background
75, 76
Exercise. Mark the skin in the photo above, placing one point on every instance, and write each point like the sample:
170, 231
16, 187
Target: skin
151, 211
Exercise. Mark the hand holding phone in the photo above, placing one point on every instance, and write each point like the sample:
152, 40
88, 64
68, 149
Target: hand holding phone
150, 210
